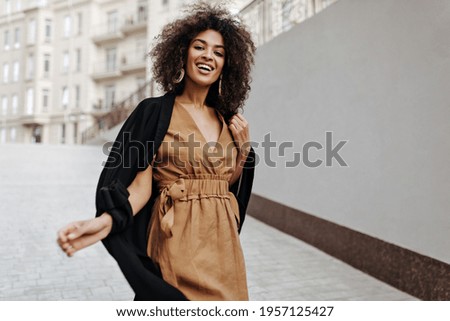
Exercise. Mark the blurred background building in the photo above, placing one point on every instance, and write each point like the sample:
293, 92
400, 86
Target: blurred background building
73, 69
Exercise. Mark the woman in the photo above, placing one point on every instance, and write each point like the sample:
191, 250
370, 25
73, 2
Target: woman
185, 210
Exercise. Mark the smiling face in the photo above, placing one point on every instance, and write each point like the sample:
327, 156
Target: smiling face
205, 58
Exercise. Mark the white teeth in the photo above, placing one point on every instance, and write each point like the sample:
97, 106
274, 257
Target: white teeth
203, 66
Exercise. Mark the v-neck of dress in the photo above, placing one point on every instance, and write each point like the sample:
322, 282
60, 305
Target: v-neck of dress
198, 128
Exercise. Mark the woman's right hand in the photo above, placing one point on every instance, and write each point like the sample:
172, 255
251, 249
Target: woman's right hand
78, 235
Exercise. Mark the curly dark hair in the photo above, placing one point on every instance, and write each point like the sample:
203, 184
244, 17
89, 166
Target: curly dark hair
170, 53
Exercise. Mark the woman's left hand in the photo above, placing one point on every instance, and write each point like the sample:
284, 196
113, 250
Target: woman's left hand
78, 235
241, 134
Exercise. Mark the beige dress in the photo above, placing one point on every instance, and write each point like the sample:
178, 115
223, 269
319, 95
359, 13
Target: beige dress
193, 235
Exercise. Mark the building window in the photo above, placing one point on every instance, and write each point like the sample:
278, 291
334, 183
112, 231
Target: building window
113, 21
165, 2
18, 5
17, 37
110, 95
3, 135
65, 67
45, 97
16, 70
36, 135
77, 96
141, 46
30, 101
30, 66
75, 132
48, 30
7, 6
140, 82
63, 133
32, 31
79, 23
78, 59
12, 134
6, 45
46, 65
14, 104
142, 11
286, 9
65, 97
5, 73
4, 105
111, 57
67, 26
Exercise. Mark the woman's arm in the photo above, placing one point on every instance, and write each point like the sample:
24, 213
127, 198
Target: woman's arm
241, 134
78, 235
140, 190
239, 166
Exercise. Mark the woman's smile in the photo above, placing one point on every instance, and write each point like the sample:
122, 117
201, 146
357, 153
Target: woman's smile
205, 68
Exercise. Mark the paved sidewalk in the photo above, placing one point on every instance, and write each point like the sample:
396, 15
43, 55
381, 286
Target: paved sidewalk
44, 187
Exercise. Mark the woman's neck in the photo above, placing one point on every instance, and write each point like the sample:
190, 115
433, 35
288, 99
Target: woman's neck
194, 95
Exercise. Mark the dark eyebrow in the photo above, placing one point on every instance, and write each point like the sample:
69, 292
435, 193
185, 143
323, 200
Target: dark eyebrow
204, 42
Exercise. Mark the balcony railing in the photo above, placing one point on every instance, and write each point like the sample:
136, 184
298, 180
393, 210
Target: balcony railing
135, 23
118, 29
31, 4
133, 61
107, 31
117, 114
268, 18
106, 70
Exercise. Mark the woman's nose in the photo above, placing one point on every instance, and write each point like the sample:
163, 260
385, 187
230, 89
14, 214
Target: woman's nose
207, 54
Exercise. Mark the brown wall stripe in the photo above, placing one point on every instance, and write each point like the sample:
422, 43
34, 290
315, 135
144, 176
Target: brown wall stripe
421, 276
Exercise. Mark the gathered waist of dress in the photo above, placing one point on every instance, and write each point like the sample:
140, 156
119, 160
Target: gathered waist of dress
197, 185
187, 188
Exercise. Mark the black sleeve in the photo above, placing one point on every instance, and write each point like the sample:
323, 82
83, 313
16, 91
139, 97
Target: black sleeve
131, 152
242, 188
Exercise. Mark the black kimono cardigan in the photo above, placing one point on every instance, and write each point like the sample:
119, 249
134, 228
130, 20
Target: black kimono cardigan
133, 150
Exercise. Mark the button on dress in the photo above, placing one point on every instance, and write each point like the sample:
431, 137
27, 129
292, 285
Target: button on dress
193, 233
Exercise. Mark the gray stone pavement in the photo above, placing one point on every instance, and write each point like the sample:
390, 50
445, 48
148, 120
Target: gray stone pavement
44, 187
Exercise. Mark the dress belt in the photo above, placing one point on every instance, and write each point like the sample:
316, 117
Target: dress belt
169, 195
177, 191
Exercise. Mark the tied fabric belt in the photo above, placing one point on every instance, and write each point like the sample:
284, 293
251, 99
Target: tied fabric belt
187, 188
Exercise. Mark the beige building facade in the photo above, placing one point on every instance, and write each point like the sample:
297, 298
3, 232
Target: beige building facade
66, 63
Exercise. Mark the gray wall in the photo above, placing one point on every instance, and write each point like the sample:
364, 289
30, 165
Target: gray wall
375, 73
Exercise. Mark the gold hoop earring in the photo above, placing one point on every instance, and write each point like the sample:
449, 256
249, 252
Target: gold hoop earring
220, 85
178, 79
